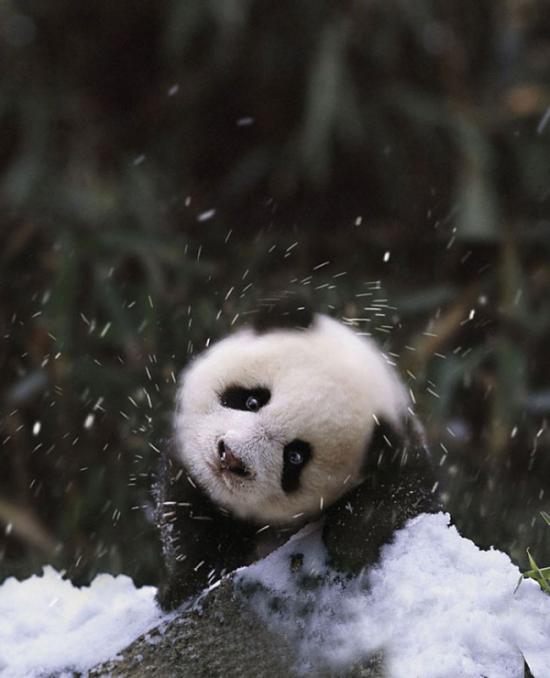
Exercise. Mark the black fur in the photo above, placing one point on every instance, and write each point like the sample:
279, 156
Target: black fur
235, 397
290, 480
399, 484
200, 542
286, 311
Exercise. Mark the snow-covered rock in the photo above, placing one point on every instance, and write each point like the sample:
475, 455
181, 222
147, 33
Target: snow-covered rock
435, 607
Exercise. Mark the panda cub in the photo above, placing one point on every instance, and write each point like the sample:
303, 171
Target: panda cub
292, 418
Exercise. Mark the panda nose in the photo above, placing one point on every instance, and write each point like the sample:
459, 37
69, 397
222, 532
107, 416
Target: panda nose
230, 461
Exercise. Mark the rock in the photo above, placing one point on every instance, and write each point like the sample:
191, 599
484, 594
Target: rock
221, 637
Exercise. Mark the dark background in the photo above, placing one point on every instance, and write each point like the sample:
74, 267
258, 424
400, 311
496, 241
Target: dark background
340, 144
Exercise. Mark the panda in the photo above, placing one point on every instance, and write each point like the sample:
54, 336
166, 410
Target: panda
291, 419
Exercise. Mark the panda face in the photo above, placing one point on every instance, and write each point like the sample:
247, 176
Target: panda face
274, 426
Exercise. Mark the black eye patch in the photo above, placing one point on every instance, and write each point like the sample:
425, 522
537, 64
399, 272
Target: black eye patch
295, 456
247, 399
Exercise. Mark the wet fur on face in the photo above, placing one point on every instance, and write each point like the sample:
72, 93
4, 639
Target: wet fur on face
327, 387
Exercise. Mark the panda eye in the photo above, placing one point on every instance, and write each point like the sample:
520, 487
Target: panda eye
252, 404
295, 458
247, 399
296, 455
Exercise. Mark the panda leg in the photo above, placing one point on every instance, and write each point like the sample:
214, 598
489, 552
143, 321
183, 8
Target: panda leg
199, 543
399, 484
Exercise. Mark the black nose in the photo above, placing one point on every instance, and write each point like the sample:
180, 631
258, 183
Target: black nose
229, 461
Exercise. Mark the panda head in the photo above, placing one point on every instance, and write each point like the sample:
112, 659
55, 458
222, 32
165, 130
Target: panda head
274, 423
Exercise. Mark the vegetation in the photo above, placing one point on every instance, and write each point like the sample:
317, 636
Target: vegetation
163, 163
539, 574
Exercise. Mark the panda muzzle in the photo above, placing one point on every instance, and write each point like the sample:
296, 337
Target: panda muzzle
229, 461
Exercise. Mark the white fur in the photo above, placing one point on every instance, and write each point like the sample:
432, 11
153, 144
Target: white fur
326, 384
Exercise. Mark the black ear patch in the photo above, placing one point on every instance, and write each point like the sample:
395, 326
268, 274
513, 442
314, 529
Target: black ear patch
383, 450
391, 449
295, 456
286, 311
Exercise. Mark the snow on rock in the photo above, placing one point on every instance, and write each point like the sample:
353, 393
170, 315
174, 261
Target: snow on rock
437, 607
48, 626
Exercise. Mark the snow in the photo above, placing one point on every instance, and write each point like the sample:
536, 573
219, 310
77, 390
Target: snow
437, 606
48, 626
207, 215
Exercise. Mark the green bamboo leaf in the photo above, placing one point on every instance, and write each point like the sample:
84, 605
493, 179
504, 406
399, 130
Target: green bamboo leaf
478, 212
323, 100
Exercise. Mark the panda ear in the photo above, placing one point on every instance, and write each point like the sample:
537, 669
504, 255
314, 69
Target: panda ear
286, 310
395, 448
398, 484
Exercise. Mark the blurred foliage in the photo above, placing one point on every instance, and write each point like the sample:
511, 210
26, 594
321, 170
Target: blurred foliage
163, 162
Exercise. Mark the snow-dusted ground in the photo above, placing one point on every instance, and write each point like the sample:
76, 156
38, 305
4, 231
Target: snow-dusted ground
47, 625
437, 605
